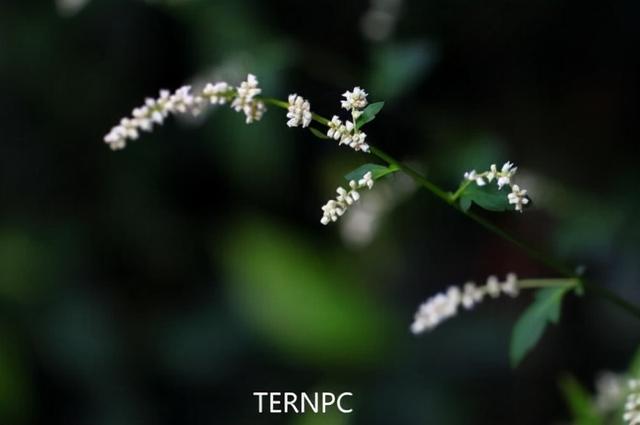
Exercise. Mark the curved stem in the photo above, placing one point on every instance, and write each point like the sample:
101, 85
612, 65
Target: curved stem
450, 199
548, 283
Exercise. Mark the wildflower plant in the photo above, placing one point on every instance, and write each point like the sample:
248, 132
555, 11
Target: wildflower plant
494, 189
616, 399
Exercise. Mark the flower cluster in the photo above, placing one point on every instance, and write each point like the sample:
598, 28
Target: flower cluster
610, 391
347, 133
299, 111
245, 100
335, 208
503, 177
183, 101
632, 406
445, 305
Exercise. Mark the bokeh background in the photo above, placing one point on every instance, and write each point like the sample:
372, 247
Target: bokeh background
165, 283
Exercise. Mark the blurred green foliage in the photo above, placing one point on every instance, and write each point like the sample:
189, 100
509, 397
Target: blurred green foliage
282, 285
165, 283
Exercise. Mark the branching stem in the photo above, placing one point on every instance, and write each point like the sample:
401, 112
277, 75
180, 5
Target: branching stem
450, 199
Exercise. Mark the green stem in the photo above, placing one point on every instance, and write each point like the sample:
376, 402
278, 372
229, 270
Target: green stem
548, 283
461, 189
450, 199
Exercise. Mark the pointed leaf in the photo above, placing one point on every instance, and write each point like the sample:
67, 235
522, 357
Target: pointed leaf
377, 171
578, 399
318, 133
488, 197
530, 327
369, 113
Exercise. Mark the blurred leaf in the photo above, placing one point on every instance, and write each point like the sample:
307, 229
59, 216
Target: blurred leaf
530, 327
465, 203
634, 367
488, 197
369, 113
579, 401
377, 171
202, 345
300, 300
397, 68
24, 264
15, 382
318, 133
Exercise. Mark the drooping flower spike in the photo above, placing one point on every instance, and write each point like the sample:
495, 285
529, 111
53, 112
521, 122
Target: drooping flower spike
335, 208
183, 101
502, 177
443, 306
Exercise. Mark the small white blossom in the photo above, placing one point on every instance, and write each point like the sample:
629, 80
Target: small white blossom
347, 134
335, 208
218, 93
366, 180
632, 406
518, 197
299, 111
183, 101
502, 177
335, 128
510, 285
354, 100
473, 176
445, 305
244, 101
610, 391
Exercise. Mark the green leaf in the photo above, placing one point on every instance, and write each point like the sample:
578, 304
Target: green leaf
578, 399
465, 203
397, 68
299, 299
377, 171
530, 327
488, 197
319, 134
369, 114
634, 368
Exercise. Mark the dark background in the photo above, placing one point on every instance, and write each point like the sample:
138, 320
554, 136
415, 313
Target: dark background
165, 283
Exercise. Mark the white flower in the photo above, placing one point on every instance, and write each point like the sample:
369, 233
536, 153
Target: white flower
610, 392
493, 286
354, 100
443, 306
299, 111
218, 93
245, 102
366, 180
510, 285
347, 134
632, 406
471, 295
335, 128
183, 101
473, 176
504, 176
518, 197
335, 208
